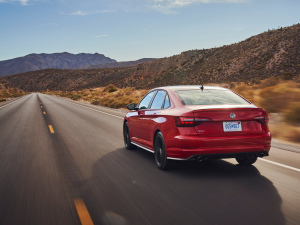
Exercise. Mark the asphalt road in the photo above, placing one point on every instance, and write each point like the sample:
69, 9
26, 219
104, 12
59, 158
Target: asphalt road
77, 171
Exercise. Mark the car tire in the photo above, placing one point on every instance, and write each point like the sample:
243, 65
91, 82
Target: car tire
160, 154
126, 136
243, 160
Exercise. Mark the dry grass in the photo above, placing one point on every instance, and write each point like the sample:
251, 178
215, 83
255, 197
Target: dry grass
109, 96
280, 98
6, 93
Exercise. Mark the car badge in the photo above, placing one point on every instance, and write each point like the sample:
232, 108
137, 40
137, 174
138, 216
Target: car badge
232, 116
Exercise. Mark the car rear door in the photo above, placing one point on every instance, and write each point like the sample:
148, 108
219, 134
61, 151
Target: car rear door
153, 116
138, 122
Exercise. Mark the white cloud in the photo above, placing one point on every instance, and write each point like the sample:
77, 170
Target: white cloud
102, 35
79, 13
168, 6
84, 13
22, 2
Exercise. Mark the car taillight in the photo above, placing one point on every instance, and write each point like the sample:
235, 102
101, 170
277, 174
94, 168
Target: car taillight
262, 119
189, 121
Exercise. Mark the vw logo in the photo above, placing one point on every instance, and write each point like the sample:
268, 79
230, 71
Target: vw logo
232, 116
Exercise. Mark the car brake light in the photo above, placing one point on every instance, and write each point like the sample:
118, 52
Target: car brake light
189, 121
262, 119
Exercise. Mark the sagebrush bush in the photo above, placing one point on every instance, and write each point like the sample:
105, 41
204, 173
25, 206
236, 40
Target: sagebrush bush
294, 135
76, 97
292, 115
95, 102
110, 88
278, 98
272, 81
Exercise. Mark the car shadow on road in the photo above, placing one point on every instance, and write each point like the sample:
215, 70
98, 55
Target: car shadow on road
133, 191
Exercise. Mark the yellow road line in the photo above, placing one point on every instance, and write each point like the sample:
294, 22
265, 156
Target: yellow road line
51, 129
44, 113
83, 213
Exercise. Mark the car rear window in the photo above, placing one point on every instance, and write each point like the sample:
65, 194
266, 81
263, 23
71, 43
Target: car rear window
210, 97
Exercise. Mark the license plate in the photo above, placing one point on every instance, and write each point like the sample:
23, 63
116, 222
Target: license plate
232, 126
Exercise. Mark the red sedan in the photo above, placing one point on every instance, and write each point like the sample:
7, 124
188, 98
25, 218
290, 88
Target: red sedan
197, 123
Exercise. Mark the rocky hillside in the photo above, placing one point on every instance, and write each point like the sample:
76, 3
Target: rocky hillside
118, 64
63, 60
6, 92
57, 79
273, 53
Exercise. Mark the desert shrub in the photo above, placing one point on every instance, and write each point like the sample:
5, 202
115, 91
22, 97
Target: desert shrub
272, 81
278, 98
132, 100
240, 88
129, 90
66, 94
292, 115
294, 135
287, 75
118, 104
268, 104
119, 93
108, 102
95, 102
245, 91
297, 78
142, 93
110, 88
231, 85
255, 81
75, 97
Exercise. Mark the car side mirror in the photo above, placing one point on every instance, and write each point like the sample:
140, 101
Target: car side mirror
131, 106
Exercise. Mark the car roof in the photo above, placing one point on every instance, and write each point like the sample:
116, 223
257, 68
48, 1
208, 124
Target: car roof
189, 87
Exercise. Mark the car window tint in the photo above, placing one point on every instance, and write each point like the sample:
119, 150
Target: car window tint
158, 100
167, 102
146, 100
210, 97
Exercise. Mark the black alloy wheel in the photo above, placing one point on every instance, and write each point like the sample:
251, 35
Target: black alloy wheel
160, 154
126, 136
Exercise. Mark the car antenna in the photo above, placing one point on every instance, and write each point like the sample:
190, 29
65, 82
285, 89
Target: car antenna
202, 88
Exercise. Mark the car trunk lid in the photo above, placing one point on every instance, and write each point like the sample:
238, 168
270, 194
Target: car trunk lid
230, 121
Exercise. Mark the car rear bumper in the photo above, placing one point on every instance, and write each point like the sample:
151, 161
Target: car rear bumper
189, 147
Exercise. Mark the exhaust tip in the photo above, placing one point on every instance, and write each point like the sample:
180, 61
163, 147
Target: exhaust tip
200, 158
262, 155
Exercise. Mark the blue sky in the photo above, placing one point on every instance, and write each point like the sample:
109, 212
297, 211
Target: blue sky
133, 29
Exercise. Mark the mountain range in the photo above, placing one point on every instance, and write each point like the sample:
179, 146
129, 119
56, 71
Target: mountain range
271, 53
63, 60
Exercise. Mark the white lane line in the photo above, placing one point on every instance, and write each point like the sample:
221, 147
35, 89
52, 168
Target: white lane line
11, 102
279, 164
93, 109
